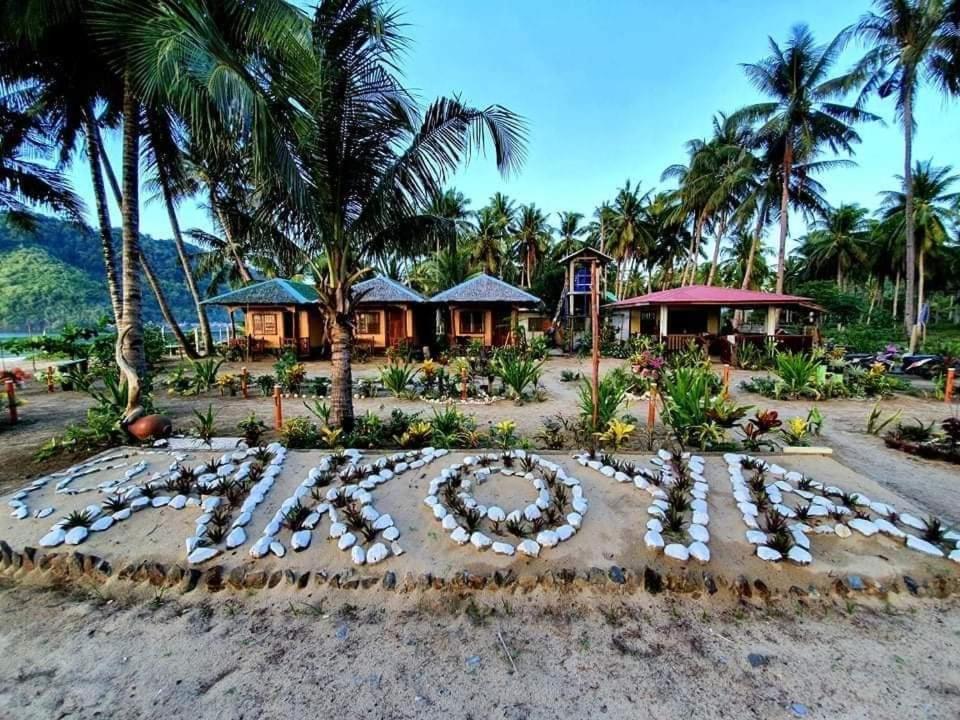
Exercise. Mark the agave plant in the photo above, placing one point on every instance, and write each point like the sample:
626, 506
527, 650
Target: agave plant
115, 503
472, 519
78, 518
781, 541
516, 527
674, 519
295, 516
934, 530
397, 377
517, 373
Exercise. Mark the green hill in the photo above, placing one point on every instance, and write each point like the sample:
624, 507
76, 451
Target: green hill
53, 273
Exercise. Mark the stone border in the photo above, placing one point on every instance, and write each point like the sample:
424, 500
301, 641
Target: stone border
548, 536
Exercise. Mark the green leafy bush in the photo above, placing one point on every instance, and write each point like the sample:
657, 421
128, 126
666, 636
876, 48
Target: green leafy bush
517, 373
299, 432
397, 377
612, 391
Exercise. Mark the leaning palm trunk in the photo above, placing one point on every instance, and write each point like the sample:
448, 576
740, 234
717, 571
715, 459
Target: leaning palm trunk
716, 252
94, 153
691, 264
165, 310
896, 295
130, 336
751, 256
230, 238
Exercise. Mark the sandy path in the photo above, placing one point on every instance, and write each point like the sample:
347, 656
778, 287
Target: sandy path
576, 656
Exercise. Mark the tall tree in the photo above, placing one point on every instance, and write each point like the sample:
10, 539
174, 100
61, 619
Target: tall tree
839, 239
571, 232
630, 238
912, 41
933, 204
531, 240
803, 113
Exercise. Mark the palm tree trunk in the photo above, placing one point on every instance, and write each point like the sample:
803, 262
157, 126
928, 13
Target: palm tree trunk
784, 216
920, 284
839, 275
896, 295
231, 240
94, 151
202, 318
751, 256
130, 337
909, 314
691, 263
721, 228
341, 391
165, 310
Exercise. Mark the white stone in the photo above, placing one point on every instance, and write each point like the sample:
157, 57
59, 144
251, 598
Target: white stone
799, 556
53, 538
480, 541
383, 522
748, 508
449, 522
261, 547
955, 555
337, 529
122, 514
607, 471
574, 519
346, 541
391, 533
547, 538
178, 502
528, 547
237, 537
21, 513
751, 522
460, 536
800, 538
358, 556
580, 505
699, 551
101, 524
700, 518
768, 553
76, 535
211, 503
911, 521
565, 532
502, 548
653, 540
531, 512
842, 530
377, 553
677, 551
439, 511
817, 511
160, 501
920, 545
655, 525
756, 537
888, 528
699, 533
496, 514
202, 554
278, 549
864, 527
699, 506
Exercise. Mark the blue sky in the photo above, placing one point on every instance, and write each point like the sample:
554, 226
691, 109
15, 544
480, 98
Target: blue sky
612, 89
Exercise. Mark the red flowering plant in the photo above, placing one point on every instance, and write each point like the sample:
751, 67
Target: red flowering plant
756, 427
647, 366
18, 375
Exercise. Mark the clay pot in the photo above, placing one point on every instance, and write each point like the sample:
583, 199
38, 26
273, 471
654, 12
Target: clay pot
150, 427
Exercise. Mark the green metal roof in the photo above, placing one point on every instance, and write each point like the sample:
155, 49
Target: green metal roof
269, 292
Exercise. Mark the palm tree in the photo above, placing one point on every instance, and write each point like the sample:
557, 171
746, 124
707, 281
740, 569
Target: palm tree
488, 241
630, 236
745, 257
668, 236
839, 239
912, 41
934, 210
571, 232
531, 240
25, 182
452, 206
803, 114
367, 160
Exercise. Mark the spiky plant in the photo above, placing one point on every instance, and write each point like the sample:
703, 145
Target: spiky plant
803, 511
472, 518
215, 534
838, 514
760, 499
180, 483
538, 524
554, 516
149, 490
674, 519
893, 516
340, 499
774, 522
757, 483
560, 497
295, 517
255, 474
235, 492
78, 518
220, 517
528, 464
387, 464
516, 527
850, 499
115, 503
678, 498
212, 465
781, 541
263, 455
337, 459
805, 483
934, 530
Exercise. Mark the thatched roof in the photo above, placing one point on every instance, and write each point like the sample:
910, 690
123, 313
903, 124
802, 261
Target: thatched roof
483, 288
269, 292
382, 289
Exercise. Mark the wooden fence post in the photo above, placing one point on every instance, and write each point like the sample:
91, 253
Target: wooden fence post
652, 407
948, 387
463, 383
12, 401
245, 383
277, 408
726, 381
49, 378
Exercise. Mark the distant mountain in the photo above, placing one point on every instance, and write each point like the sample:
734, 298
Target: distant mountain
53, 273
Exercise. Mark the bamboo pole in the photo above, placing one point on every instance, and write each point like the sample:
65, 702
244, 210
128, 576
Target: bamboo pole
948, 387
245, 383
49, 378
277, 408
595, 331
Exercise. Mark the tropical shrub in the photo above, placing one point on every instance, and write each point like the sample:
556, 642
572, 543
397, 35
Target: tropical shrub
299, 432
265, 383
504, 434
798, 375
686, 399
612, 391
517, 373
617, 433
397, 377
203, 426
289, 372
252, 428
205, 374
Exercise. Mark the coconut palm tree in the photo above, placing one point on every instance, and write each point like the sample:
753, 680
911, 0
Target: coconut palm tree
803, 113
668, 237
745, 256
934, 206
629, 235
839, 239
531, 241
453, 206
571, 232
911, 41
488, 251
25, 180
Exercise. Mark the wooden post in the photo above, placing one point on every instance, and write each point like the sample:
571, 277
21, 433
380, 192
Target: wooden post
463, 383
277, 408
726, 380
595, 330
948, 387
49, 378
245, 383
11, 401
652, 408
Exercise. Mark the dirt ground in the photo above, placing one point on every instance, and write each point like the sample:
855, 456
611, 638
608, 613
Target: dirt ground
81, 655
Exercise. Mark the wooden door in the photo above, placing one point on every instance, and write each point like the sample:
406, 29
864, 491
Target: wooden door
396, 326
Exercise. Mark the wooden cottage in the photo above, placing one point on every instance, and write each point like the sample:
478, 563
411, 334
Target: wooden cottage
284, 314
482, 308
694, 312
